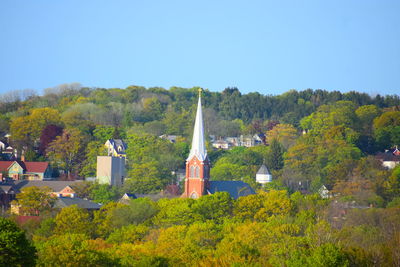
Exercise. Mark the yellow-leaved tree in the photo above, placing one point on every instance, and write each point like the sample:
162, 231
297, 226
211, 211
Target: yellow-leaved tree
27, 129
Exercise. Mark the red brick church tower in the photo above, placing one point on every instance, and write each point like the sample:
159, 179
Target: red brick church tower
197, 164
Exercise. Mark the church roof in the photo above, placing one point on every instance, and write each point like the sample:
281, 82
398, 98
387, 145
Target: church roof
198, 148
263, 170
235, 188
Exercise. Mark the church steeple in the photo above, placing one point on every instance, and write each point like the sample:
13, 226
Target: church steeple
197, 164
198, 148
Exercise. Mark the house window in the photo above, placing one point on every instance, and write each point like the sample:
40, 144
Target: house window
191, 174
197, 172
194, 195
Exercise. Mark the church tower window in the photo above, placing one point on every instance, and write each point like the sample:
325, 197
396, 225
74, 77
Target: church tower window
191, 175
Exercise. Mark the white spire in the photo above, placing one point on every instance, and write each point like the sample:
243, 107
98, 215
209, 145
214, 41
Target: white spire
198, 148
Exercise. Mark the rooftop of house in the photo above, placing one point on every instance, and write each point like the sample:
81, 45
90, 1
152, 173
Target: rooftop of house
7, 188
63, 202
389, 155
31, 166
117, 143
171, 138
56, 186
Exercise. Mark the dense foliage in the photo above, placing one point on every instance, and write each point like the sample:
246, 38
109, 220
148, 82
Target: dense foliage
266, 229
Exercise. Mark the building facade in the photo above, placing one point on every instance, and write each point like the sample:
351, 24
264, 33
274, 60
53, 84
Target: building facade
25, 170
110, 170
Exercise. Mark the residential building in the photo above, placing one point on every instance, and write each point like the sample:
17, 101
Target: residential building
7, 194
390, 158
59, 188
7, 151
221, 144
126, 198
171, 138
25, 170
116, 147
243, 140
324, 192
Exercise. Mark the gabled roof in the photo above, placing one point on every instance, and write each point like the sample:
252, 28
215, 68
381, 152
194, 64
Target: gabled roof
4, 165
263, 170
63, 202
27, 166
235, 188
35, 166
7, 188
116, 143
56, 186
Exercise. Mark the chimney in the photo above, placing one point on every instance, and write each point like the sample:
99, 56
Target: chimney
22, 157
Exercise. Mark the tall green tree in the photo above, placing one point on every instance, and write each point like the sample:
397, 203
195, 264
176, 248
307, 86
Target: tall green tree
274, 158
15, 249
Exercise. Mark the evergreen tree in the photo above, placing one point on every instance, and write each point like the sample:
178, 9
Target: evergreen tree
275, 156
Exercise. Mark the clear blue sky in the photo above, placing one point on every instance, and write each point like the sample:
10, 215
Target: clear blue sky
264, 46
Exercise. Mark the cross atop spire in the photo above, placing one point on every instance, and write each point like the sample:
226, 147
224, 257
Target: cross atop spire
198, 148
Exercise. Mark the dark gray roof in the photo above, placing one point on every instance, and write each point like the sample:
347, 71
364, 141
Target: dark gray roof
56, 186
263, 170
63, 202
7, 188
387, 156
235, 188
118, 142
154, 197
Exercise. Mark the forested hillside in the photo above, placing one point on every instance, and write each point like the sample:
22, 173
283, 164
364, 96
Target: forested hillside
320, 137
313, 138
